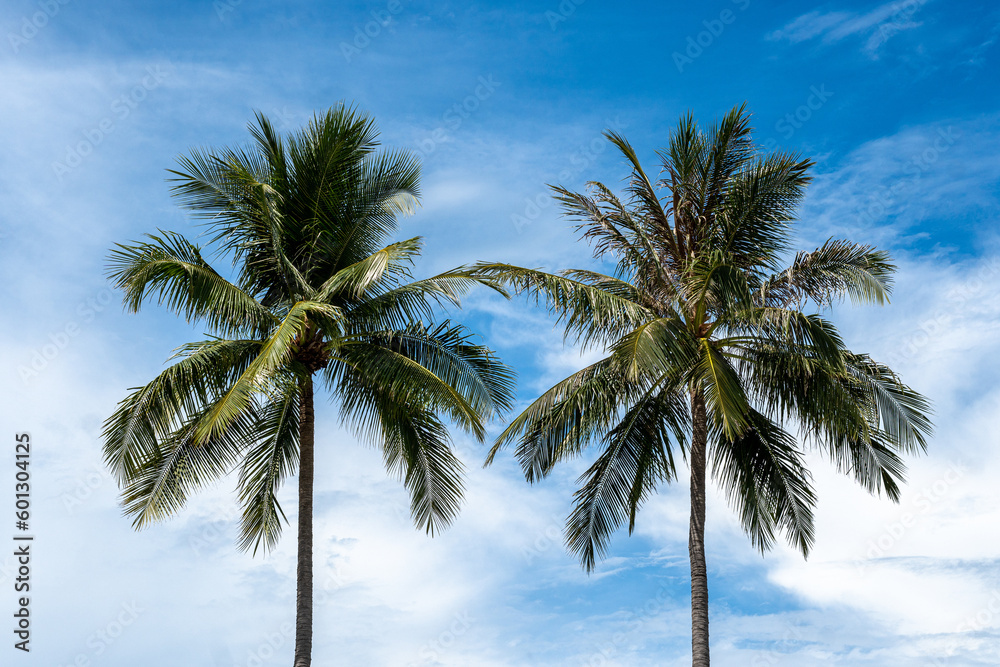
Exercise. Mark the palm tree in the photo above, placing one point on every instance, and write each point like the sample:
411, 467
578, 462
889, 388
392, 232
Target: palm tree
714, 351
318, 293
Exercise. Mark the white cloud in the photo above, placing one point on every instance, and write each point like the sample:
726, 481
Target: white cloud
883, 190
878, 24
810, 25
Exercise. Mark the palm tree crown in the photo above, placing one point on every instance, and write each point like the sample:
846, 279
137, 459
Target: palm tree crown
318, 291
715, 351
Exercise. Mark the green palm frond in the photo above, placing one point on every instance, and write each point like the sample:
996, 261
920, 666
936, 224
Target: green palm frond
172, 270
765, 477
590, 314
759, 207
637, 458
834, 270
902, 413
153, 413
605, 221
276, 354
415, 301
439, 368
566, 418
729, 151
353, 219
354, 281
266, 464
416, 445
182, 463
715, 289
663, 346
727, 401
765, 327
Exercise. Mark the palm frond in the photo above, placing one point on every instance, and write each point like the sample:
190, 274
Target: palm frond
830, 272
765, 476
901, 413
637, 458
566, 418
725, 397
276, 354
438, 369
589, 314
182, 463
266, 464
658, 347
172, 270
354, 281
415, 443
416, 301
151, 414
759, 206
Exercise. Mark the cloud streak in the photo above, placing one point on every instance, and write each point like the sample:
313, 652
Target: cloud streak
876, 26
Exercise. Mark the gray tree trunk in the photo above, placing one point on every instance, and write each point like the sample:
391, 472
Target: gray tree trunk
696, 537
304, 569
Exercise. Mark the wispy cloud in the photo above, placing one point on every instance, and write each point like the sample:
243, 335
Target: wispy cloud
976, 55
877, 26
906, 187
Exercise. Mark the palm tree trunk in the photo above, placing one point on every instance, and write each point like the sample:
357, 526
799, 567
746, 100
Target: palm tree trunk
696, 537
304, 572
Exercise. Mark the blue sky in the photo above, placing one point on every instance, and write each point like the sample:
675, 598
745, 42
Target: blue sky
898, 105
